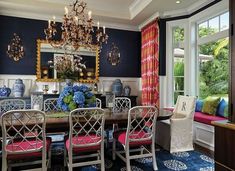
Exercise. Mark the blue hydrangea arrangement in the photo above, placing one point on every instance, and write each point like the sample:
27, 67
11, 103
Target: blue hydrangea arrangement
73, 97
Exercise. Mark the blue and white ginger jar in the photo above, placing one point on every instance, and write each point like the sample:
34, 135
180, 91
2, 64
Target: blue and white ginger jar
5, 91
117, 87
18, 88
126, 90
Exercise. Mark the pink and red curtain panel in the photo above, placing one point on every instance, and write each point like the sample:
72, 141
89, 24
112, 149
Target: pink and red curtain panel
150, 64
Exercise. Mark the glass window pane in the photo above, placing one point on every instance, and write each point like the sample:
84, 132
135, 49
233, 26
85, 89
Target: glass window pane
178, 37
201, 29
214, 24
178, 54
214, 68
176, 94
224, 21
179, 83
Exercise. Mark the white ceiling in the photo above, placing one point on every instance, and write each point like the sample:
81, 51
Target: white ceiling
129, 14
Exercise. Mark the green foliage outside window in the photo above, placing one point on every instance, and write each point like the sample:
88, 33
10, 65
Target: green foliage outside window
214, 74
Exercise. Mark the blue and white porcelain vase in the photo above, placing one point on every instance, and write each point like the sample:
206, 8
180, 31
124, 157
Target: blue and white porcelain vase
18, 88
117, 87
126, 90
5, 91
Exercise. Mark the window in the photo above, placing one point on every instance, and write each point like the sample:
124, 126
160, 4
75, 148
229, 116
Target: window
214, 25
213, 56
178, 54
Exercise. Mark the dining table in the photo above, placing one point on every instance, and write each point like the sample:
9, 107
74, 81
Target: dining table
59, 121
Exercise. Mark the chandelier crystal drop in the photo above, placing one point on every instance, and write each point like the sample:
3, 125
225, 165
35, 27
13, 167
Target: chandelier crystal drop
77, 29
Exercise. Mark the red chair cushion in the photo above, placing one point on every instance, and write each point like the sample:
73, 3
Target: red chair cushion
21, 146
136, 135
82, 140
206, 119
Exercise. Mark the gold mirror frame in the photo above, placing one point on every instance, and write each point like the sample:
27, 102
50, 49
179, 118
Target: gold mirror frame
38, 66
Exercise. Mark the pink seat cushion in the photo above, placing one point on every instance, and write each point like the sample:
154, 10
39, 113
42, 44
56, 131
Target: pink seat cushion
136, 135
27, 145
85, 140
206, 119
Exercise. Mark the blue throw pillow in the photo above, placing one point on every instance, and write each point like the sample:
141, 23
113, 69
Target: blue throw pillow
221, 107
199, 105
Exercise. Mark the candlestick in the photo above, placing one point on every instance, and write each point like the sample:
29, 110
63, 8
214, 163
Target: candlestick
54, 19
8, 47
76, 20
66, 11
89, 15
98, 25
104, 29
49, 23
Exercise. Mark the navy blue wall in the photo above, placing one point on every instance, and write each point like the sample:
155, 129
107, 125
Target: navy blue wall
128, 42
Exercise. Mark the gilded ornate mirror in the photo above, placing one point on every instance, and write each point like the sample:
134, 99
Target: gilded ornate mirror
48, 58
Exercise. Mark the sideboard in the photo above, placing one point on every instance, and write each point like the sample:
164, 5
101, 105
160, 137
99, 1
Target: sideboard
224, 146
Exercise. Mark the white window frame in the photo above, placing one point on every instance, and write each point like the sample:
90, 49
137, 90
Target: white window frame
191, 76
207, 39
169, 93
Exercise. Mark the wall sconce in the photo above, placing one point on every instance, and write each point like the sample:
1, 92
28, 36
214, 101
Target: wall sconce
114, 55
15, 49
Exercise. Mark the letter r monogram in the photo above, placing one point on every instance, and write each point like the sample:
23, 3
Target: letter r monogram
183, 106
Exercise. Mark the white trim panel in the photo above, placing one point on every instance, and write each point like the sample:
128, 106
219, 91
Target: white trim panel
204, 135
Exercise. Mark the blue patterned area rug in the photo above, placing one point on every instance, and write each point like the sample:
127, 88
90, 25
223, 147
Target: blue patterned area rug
189, 161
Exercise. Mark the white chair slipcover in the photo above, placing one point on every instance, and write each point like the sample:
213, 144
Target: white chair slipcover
176, 134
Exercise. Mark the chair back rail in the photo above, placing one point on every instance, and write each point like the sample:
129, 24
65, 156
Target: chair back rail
50, 105
141, 124
121, 104
98, 103
11, 104
86, 127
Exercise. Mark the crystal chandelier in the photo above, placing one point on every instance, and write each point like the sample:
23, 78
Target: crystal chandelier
77, 28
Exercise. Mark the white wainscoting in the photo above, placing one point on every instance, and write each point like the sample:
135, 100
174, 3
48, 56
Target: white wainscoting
203, 135
104, 84
9, 80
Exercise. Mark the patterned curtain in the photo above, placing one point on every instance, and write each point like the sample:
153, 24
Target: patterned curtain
150, 64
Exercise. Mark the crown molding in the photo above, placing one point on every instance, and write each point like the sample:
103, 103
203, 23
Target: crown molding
137, 6
200, 3
45, 17
153, 17
192, 8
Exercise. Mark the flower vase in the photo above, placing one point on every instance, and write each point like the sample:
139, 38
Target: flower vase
69, 82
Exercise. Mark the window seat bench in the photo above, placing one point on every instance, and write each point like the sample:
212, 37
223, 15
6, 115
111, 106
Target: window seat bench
203, 130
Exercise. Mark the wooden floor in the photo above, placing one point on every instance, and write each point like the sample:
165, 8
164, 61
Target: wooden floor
204, 150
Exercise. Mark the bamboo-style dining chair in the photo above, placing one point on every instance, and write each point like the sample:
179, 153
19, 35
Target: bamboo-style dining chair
121, 104
140, 133
20, 150
98, 103
86, 135
50, 105
11, 104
